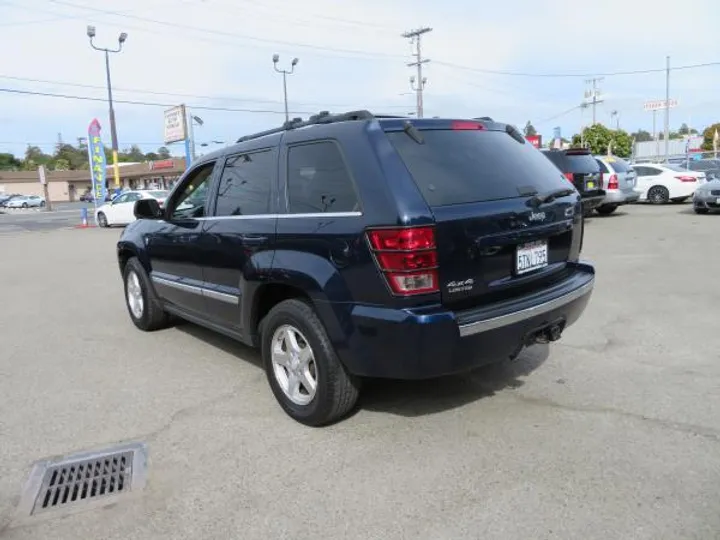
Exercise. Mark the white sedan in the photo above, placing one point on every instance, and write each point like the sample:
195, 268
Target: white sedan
660, 183
121, 210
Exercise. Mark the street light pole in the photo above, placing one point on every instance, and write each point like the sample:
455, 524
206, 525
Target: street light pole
113, 128
285, 73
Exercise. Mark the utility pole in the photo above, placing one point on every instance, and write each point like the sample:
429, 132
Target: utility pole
113, 128
593, 96
667, 108
285, 73
415, 38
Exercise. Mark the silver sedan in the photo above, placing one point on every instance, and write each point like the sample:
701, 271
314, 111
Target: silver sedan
707, 197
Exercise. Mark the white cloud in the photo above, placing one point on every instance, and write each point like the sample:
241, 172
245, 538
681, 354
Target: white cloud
233, 59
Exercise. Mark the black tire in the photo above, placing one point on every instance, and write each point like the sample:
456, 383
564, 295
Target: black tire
102, 220
152, 317
42, 204
606, 209
587, 212
701, 210
24, 205
336, 390
658, 195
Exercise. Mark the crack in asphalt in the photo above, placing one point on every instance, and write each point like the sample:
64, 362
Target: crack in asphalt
187, 412
692, 429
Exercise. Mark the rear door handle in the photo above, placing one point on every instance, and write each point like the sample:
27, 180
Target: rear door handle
253, 239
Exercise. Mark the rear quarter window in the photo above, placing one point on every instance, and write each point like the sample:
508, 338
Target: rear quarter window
455, 167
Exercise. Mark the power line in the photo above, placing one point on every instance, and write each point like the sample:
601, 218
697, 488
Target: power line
219, 32
145, 103
155, 104
174, 94
574, 75
571, 109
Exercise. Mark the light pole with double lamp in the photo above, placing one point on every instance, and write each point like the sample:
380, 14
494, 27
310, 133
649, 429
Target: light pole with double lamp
113, 129
285, 73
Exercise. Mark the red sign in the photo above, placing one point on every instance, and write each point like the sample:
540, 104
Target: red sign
535, 140
163, 164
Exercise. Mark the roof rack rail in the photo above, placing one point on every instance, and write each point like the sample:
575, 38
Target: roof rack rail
323, 117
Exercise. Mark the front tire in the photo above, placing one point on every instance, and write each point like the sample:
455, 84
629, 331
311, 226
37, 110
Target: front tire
658, 195
102, 220
143, 304
302, 368
606, 209
25, 205
701, 210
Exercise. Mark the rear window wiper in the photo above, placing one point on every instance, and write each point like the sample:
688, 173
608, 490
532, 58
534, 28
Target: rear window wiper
413, 132
537, 200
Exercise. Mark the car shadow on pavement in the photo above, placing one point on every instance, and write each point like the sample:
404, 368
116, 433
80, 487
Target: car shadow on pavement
420, 398
224, 343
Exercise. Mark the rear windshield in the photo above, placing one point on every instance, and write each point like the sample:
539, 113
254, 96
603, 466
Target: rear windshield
454, 167
573, 163
619, 165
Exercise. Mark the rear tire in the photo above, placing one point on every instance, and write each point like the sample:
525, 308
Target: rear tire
25, 205
102, 220
658, 195
606, 209
143, 304
701, 210
308, 359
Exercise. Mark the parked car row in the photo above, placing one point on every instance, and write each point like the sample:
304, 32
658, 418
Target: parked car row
21, 201
608, 182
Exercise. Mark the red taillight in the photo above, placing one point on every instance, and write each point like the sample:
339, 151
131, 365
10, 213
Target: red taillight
407, 258
686, 178
461, 125
569, 176
613, 182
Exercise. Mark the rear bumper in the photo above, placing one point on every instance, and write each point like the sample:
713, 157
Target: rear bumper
590, 202
619, 197
428, 343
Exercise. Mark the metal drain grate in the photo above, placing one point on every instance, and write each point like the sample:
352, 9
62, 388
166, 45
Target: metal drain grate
83, 480
89, 479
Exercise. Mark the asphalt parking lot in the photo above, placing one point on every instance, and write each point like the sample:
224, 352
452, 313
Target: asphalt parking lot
63, 215
611, 433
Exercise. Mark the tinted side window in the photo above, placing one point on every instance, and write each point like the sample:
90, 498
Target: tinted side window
190, 200
603, 168
245, 184
318, 180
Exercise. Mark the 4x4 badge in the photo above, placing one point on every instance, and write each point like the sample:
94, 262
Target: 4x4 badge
537, 216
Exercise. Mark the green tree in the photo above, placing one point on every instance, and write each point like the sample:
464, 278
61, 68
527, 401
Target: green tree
34, 156
163, 153
61, 165
708, 135
642, 136
599, 139
529, 130
75, 157
9, 162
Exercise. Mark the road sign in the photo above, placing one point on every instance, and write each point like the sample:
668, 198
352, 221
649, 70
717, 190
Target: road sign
659, 104
175, 124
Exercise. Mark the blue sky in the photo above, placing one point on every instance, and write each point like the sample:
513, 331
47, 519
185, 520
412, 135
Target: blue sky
351, 56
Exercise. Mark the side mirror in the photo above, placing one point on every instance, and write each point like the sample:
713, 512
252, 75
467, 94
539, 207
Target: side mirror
147, 209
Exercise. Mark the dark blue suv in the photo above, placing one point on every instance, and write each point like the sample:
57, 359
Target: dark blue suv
351, 246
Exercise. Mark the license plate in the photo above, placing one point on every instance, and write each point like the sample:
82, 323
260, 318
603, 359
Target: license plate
531, 256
